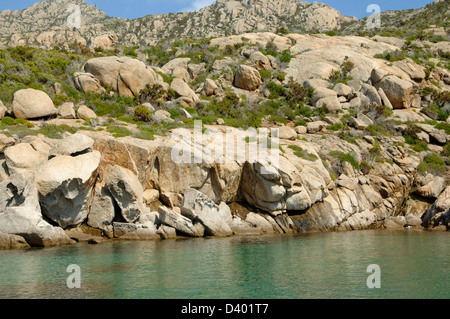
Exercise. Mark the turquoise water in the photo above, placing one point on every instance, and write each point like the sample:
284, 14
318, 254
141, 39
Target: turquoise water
413, 264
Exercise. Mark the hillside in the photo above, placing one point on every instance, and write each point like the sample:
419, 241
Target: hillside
44, 24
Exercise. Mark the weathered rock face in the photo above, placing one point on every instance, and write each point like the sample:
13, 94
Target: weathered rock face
198, 206
86, 83
124, 75
30, 104
126, 190
3, 110
180, 223
101, 211
247, 78
439, 213
28, 223
65, 187
8, 241
259, 61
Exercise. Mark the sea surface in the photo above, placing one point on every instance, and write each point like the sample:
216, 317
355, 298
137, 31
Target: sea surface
411, 264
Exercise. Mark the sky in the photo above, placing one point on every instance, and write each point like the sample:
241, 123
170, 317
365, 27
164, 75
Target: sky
137, 8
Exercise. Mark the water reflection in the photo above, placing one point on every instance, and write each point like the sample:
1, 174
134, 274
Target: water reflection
321, 265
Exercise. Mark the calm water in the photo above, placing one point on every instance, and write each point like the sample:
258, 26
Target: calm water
414, 264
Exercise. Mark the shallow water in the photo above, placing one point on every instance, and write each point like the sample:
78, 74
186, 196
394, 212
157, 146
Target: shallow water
413, 264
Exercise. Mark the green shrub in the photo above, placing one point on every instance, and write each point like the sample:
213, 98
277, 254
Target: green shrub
142, 114
446, 150
297, 94
275, 90
152, 94
145, 133
60, 99
56, 131
7, 121
432, 163
345, 157
444, 126
285, 57
299, 152
265, 75
391, 56
300, 123
119, 131
281, 77
410, 135
335, 127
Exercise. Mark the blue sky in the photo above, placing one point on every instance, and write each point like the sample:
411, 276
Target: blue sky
138, 8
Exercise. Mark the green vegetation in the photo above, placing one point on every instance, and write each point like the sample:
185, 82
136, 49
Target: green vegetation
410, 135
335, 127
119, 131
342, 76
432, 163
299, 152
345, 157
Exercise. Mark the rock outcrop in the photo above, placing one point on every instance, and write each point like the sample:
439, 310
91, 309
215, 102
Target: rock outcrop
124, 75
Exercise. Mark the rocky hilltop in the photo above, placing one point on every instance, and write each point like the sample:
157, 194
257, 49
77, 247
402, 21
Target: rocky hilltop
246, 134
45, 23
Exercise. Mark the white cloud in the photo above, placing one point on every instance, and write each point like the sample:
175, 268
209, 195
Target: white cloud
198, 4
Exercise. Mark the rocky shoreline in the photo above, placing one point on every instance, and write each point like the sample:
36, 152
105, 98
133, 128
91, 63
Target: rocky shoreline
361, 143
91, 186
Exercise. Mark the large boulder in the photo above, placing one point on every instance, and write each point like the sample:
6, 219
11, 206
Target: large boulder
23, 157
197, 206
401, 93
30, 104
320, 93
28, 223
209, 87
331, 103
85, 113
182, 89
65, 187
247, 78
72, 145
124, 75
415, 71
127, 191
180, 223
